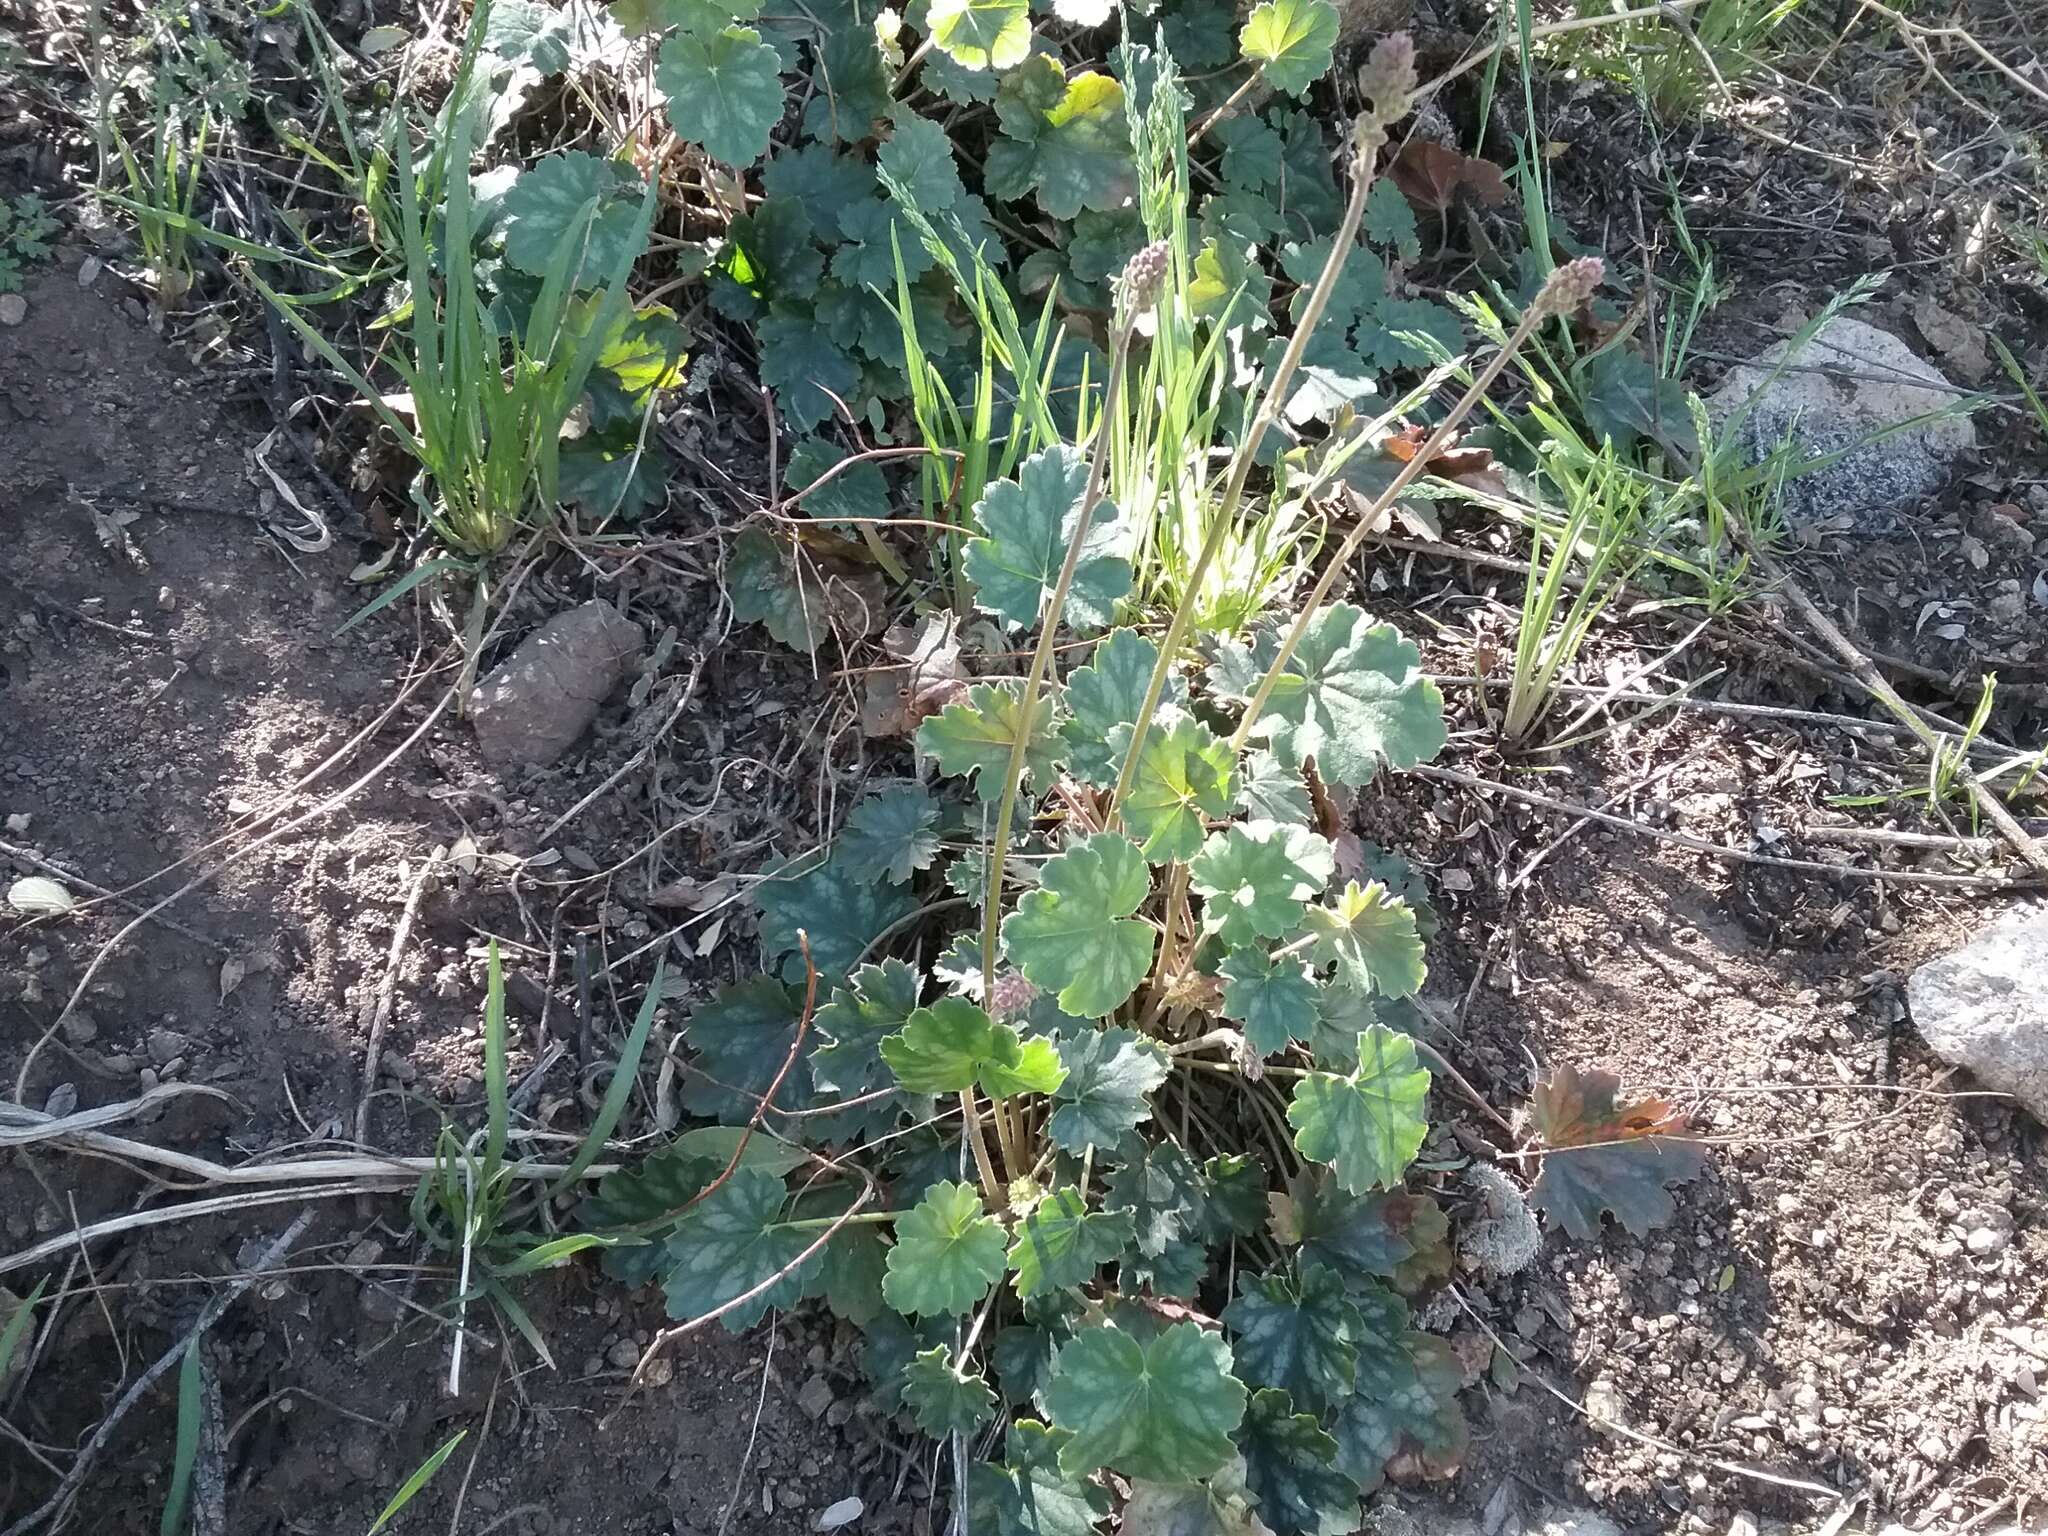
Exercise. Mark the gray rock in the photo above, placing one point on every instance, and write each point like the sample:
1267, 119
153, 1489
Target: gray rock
1984, 1007
167, 1045
815, 1397
532, 709
1573, 1522
1850, 381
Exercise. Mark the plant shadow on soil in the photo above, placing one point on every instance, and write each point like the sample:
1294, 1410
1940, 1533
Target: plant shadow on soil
125, 753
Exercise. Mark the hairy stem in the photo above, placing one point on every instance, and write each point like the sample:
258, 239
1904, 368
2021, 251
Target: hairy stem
1370, 518
1270, 402
1027, 712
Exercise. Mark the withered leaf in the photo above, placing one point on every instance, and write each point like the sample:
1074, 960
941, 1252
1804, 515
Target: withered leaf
1604, 1156
1430, 174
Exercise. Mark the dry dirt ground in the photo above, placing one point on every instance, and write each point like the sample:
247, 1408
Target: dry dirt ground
1853, 1298
202, 695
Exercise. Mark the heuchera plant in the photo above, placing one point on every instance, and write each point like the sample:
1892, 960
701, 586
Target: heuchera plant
1122, 1170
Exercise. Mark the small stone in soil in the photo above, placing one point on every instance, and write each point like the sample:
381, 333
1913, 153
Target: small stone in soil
815, 1397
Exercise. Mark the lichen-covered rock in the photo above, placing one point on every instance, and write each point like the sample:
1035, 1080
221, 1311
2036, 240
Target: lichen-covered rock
1849, 382
532, 709
1984, 1007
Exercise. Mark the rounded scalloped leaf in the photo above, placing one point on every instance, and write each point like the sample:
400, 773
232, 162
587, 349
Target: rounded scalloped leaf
1367, 1126
1185, 772
566, 201
1026, 527
945, 1401
948, 1253
1256, 879
1291, 42
1074, 935
724, 91
1163, 1410
953, 1046
981, 34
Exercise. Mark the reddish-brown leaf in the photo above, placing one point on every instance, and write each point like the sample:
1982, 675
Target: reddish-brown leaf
1429, 175
1607, 1156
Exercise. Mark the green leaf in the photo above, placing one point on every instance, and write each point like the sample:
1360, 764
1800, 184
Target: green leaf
853, 87
1269, 790
643, 355
1164, 1409
1353, 696
890, 835
847, 1062
1257, 878
952, 1046
613, 474
1275, 1001
728, 1243
1298, 1334
553, 201
1390, 220
1370, 1124
764, 591
664, 1181
1370, 937
1624, 398
1361, 281
1162, 1190
1107, 693
1027, 525
812, 184
1063, 1243
1067, 140
1197, 33
855, 492
841, 913
1342, 1015
1291, 1468
1108, 1089
918, 156
943, 1401
1237, 1197
1028, 1494
803, 365
1360, 1237
768, 256
1185, 770
740, 1039
976, 737
1406, 1397
850, 1279
1382, 337
1074, 935
1291, 41
981, 34
1251, 153
1222, 1506
724, 91
1605, 1156
948, 1252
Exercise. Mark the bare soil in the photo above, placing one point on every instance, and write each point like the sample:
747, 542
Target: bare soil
202, 697
1852, 1298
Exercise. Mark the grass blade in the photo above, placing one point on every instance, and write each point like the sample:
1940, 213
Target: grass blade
17, 1326
186, 1451
496, 1090
618, 1090
419, 1479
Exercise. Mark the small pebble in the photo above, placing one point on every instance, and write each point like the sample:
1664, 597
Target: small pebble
833, 1516
13, 309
